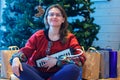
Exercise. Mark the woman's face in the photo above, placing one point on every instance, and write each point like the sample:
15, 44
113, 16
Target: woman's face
55, 18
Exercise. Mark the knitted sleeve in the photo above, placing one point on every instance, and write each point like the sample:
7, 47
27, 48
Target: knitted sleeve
20, 55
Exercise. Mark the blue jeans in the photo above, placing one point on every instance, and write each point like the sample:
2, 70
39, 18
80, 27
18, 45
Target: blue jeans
67, 72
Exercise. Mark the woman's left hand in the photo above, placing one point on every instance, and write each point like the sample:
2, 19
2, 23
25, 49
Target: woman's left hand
51, 62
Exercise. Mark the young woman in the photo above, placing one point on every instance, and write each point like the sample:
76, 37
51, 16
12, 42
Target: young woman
45, 43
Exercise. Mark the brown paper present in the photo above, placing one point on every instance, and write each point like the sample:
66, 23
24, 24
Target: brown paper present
5, 65
91, 67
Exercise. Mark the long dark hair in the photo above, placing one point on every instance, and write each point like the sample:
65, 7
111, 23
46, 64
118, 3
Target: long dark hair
64, 27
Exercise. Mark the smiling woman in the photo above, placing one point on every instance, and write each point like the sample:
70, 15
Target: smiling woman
45, 43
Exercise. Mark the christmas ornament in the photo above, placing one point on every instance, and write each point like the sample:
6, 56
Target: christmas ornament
40, 10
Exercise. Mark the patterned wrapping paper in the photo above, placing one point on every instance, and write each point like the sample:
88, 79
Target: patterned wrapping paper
104, 64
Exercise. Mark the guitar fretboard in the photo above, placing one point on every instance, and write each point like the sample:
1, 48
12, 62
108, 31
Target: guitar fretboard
66, 52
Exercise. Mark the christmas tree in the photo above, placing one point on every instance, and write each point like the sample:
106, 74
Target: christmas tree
21, 22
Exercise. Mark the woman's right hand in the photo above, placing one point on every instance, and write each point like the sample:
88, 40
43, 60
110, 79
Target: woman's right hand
16, 66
